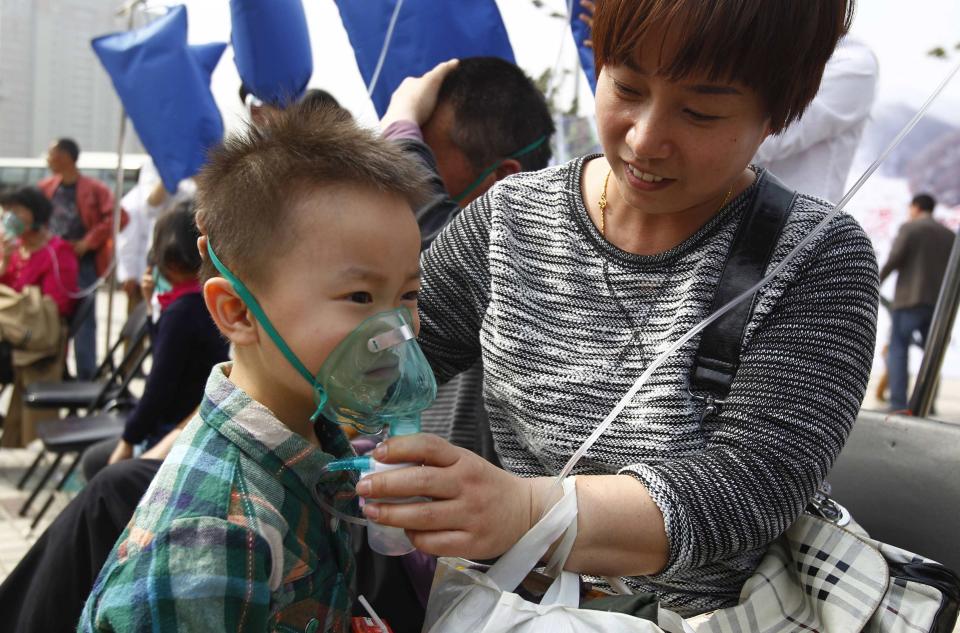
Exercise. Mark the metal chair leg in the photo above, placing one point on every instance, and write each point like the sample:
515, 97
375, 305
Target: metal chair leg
27, 475
53, 493
39, 487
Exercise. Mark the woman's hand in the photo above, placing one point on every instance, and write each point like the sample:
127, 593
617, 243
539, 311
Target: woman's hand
147, 285
478, 510
124, 450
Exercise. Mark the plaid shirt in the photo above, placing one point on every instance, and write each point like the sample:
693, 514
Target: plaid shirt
229, 536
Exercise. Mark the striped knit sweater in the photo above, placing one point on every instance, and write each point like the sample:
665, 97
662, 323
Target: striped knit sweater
565, 322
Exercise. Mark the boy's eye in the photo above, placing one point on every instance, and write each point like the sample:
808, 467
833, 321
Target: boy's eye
700, 116
412, 296
361, 297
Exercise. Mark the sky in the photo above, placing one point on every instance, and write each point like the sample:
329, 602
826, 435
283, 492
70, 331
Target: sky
900, 34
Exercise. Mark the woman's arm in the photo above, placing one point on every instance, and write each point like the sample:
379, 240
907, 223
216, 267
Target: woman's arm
792, 404
479, 511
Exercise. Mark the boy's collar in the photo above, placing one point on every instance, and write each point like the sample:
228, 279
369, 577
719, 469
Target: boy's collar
256, 431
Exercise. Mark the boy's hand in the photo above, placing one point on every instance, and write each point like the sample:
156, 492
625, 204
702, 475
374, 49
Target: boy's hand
478, 510
416, 97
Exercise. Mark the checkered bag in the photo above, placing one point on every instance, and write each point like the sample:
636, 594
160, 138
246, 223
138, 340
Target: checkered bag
822, 577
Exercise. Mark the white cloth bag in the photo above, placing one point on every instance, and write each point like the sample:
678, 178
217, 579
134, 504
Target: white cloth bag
464, 599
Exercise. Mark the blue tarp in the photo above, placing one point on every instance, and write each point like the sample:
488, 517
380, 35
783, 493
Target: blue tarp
418, 43
165, 88
271, 46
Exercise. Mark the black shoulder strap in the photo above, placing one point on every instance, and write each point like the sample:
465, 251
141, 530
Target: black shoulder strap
719, 353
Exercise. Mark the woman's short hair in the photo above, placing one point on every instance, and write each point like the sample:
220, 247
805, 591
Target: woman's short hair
31, 199
175, 240
778, 49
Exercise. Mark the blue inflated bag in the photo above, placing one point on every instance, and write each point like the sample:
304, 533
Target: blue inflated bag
271, 47
392, 44
164, 86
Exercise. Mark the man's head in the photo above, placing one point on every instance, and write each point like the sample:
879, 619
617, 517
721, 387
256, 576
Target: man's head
62, 155
489, 116
314, 215
922, 204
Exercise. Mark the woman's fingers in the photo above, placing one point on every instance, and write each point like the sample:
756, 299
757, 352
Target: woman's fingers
415, 481
422, 448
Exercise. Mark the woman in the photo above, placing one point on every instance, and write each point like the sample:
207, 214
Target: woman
32, 256
570, 281
186, 343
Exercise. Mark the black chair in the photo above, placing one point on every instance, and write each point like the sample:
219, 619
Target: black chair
74, 434
900, 478
81, 394
110, 392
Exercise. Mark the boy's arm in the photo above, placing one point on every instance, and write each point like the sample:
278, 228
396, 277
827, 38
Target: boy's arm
201, 574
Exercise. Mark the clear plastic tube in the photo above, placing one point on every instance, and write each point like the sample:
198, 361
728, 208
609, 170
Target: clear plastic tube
642, 380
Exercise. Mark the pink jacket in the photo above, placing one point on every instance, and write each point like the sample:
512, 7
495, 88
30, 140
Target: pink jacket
57, 282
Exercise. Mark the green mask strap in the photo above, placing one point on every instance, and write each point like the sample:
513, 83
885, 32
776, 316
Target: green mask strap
261, 316
523, 151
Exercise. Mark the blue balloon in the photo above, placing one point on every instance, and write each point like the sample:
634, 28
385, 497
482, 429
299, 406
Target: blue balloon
271, 47
581, 33
422, 34
164, 86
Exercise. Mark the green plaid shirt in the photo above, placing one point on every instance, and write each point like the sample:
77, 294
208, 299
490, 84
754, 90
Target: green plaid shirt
229, 536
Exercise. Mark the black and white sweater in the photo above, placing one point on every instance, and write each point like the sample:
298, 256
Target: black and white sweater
565, 322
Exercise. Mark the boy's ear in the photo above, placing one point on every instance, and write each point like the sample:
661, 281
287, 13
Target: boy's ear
229, 312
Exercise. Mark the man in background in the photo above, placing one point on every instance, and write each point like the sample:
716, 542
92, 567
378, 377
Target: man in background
473, 122
919, 254
83, 216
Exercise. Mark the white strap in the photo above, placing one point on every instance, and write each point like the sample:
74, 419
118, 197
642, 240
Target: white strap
508, 572
560, 555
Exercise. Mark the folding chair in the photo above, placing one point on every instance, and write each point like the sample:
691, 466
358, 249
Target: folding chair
80, 394
110, 392
73, 435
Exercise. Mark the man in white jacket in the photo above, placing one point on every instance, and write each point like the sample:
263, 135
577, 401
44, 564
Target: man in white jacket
814, 154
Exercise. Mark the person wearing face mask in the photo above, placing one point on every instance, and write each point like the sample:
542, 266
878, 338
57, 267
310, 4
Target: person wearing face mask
311, 272
570, 281
32, 256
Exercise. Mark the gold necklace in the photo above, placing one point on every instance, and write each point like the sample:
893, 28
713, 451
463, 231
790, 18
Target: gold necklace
602, 203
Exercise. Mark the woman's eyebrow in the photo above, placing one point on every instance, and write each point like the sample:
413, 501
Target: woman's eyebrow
713, 89
703, 89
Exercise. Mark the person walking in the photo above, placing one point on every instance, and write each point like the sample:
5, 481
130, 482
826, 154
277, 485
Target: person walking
919, 255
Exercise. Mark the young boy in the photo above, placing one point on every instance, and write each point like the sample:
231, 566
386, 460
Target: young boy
309, 232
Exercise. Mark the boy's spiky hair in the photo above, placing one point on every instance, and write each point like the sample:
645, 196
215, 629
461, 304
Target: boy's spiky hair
253, 182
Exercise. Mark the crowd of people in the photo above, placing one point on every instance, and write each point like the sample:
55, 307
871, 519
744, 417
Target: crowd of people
537, 295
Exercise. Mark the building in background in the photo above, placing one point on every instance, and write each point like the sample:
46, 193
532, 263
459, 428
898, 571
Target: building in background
51, 84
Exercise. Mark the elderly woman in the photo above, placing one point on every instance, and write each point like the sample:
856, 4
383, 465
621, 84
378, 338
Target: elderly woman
32, 256
568, 282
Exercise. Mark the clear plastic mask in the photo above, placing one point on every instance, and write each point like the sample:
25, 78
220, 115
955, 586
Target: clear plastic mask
376, 376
